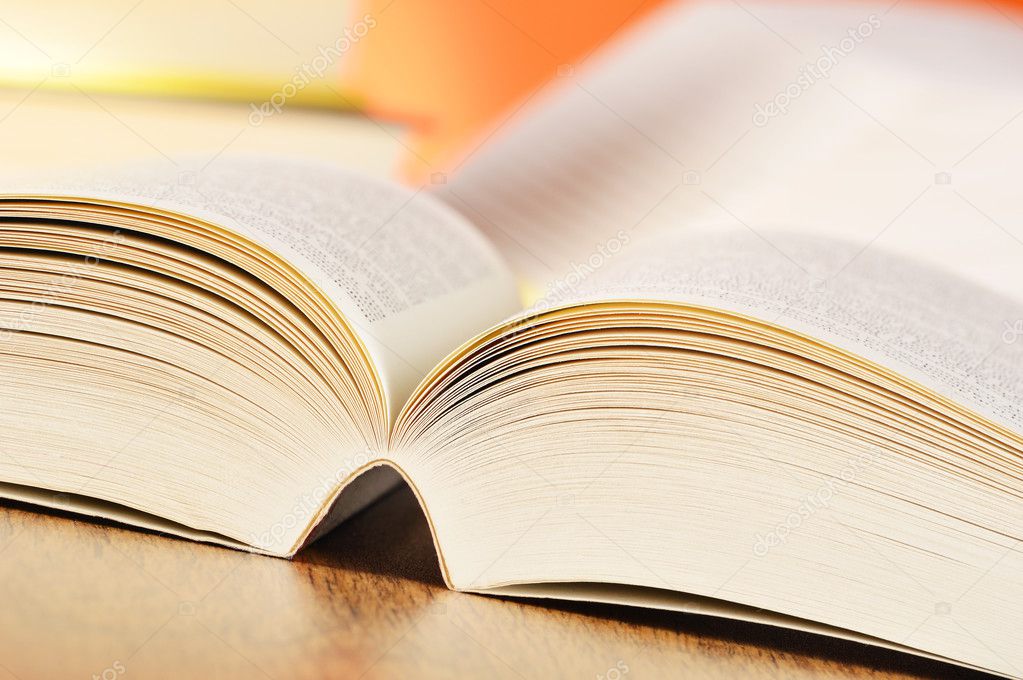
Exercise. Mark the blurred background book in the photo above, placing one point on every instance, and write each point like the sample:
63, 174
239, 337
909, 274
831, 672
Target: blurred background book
226, 49
421, 83
82, 81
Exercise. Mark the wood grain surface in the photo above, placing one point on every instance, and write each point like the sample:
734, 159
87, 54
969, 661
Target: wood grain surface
92, 600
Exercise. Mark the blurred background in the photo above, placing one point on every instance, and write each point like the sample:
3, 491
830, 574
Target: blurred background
554, 125
432, 73
444, 71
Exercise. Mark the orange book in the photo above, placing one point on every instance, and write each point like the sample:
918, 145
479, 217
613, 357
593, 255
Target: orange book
456, 68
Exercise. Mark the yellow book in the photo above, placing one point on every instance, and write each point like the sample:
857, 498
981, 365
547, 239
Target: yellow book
250, 50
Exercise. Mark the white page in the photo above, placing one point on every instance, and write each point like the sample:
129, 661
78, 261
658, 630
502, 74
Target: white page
411, 276
957, 338
657, 132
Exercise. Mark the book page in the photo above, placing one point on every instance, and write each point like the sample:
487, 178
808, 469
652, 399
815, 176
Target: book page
694, 604
957, 338
830, 118
412, 277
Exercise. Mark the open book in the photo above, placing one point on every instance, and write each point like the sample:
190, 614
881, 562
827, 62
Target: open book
778, 425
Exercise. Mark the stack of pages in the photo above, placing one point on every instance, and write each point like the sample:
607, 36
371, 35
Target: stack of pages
771, 367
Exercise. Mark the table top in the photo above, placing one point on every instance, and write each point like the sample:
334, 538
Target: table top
91, 599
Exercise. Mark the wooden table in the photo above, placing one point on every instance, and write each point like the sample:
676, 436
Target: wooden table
88, 599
